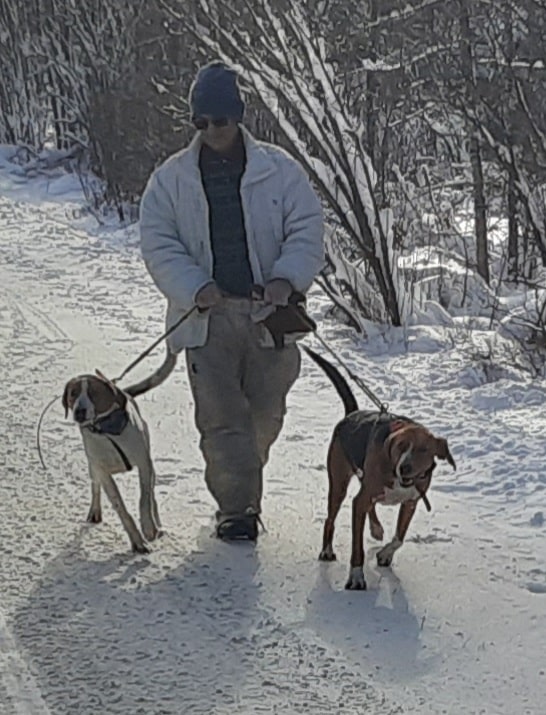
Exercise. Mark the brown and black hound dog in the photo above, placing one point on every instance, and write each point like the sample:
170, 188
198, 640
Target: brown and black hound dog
393, 456
116, 439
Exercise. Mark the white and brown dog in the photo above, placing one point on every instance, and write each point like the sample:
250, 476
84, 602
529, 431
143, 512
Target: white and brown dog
116, 439
393, 456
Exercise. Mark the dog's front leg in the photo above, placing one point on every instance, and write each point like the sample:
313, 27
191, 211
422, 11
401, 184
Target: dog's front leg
149, 516
405, 515
95, 513
376, 528
356, 579
112, 492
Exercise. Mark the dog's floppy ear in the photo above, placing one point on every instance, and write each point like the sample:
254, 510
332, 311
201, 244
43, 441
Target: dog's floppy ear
442, 451
65, 397
120, 395
103, 377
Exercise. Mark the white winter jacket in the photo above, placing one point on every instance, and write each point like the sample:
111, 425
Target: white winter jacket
283, 222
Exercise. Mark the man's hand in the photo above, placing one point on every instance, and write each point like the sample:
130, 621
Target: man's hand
278, 291
208, 296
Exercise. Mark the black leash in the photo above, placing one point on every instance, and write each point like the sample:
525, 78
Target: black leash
156, 343
383, 408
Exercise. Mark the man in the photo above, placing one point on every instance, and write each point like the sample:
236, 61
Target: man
222, 216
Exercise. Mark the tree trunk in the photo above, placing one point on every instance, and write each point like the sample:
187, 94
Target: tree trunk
513, 240
372, 134
480, 208
512, 203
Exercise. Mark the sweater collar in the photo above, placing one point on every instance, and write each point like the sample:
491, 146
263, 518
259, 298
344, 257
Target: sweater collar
259, 164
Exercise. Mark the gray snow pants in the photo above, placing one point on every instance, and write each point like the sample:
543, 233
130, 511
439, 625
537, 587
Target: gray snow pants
239, 389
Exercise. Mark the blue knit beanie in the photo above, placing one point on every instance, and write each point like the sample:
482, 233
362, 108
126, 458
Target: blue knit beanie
215, 93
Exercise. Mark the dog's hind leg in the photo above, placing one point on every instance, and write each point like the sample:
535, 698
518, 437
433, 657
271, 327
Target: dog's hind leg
339, 476
155, 510
95, 513
112, 492
149, 517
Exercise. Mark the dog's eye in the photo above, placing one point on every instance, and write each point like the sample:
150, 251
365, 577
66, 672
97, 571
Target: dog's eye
420, 450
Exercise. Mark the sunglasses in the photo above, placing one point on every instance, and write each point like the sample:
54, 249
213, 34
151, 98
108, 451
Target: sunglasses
202, 123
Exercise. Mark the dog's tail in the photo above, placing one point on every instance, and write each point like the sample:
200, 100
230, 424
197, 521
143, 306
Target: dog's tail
339, 382
156, 378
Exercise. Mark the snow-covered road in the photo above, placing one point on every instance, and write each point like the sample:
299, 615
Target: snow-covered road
458, 625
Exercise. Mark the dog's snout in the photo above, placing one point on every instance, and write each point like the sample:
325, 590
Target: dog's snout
405, 471
79, 414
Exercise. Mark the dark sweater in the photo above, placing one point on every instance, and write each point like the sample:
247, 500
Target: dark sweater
221, 175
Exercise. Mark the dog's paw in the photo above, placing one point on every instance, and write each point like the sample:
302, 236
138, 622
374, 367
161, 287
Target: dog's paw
356, 580
327, 554
384, 559
94, 516
376, 530
384, 556
141, 547
151, 533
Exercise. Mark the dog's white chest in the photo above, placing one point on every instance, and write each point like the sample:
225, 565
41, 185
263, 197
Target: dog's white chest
112, 452
399, 495
102, 453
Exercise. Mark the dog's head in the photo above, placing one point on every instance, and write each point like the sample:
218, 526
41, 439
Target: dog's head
407, 455
90, 396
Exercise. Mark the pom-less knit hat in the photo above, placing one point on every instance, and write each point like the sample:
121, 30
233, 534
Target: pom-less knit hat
215, 93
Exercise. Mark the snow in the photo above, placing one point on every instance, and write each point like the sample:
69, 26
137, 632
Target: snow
456, 625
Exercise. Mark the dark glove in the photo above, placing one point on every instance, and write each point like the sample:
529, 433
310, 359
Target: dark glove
209, 296
290, 319
277, 292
